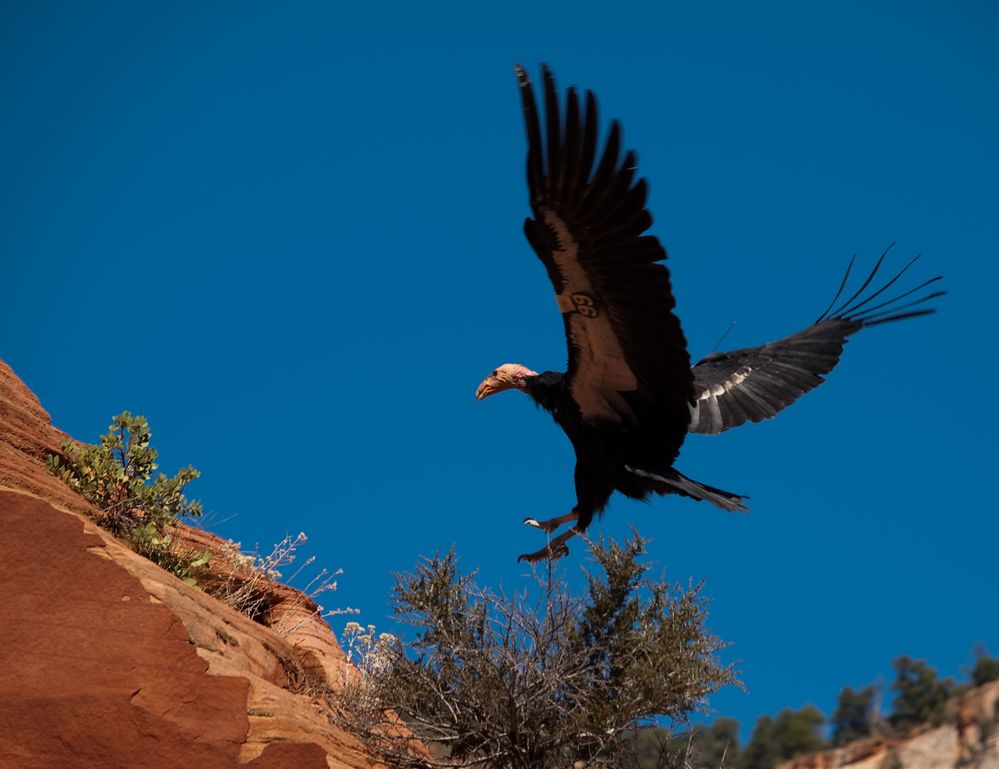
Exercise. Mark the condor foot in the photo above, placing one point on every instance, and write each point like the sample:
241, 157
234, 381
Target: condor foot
545, 554
556, 549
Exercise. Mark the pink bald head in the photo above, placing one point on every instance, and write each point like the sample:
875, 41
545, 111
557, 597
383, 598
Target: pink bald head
506, 377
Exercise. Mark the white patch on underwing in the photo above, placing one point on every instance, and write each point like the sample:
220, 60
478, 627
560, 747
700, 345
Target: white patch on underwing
729, 384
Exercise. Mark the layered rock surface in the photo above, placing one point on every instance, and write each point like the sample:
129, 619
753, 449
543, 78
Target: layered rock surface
108, 661
969, 739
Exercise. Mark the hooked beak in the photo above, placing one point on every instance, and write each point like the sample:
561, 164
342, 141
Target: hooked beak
490, 386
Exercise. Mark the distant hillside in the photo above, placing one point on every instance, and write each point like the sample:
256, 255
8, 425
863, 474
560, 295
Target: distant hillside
968, 739
965, 736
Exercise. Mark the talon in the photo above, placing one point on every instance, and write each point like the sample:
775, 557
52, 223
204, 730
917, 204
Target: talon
545, 554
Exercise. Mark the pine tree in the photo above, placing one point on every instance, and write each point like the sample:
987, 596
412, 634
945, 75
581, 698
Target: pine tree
921, 698
778, 739
854, 715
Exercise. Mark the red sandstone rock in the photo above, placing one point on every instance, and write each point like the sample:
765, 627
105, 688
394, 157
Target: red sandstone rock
107, 661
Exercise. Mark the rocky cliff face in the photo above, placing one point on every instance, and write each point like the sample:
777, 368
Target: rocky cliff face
108, 661
968, 740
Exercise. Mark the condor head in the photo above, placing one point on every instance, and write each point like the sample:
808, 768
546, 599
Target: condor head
509, 376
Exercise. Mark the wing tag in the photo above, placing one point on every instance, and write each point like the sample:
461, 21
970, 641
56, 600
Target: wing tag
578, 302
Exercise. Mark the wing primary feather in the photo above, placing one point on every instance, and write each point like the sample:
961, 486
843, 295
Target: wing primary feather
842, 285
867, 312
902, 316
591, 128
852, 310
569, 178
867, 318
855, 311
877, 266
608, 162
614, 197
535, 157
552, 120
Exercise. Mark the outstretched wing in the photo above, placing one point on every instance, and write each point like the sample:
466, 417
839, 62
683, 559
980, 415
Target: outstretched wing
754, 384
625, 344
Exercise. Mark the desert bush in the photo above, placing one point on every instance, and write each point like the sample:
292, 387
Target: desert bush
116, 476
715, 746
518, 682
709, 746
247, 585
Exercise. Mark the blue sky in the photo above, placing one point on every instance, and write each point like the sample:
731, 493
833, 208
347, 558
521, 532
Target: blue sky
292, 239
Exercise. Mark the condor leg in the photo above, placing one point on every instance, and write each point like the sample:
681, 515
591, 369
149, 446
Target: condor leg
552, 523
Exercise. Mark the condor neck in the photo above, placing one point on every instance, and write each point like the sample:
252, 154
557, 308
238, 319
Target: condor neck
545, 389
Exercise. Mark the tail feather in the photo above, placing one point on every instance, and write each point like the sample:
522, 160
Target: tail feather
680, 484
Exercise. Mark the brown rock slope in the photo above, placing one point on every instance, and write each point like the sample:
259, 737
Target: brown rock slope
969, 739
108, 661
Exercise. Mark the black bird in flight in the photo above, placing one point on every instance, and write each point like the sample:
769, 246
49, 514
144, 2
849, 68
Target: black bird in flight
630, 395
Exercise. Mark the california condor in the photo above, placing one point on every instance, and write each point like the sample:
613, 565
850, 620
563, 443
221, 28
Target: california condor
630, 396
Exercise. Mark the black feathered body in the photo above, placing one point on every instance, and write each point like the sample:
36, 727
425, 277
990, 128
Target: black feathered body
604, 451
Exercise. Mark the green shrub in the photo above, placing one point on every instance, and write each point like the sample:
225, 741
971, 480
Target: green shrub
922, 697
536, 681
712, 746
791, 733
854, 715
986, 669
116, 476
542, 682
